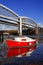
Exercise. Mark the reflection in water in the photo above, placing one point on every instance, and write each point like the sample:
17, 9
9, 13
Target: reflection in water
16, 52
36, 57
39, 39
13, 52
19, 63
10, 58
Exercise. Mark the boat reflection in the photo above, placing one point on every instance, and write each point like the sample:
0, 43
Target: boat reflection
19, 52
15, 52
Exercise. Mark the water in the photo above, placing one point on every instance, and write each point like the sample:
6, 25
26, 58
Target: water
36, 57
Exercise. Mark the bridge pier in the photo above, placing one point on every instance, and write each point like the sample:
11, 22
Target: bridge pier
37, 30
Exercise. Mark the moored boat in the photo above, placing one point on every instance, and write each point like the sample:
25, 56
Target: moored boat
19, 45
21, 42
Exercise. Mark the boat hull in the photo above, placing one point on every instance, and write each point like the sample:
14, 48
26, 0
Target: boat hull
17, 44
16, 48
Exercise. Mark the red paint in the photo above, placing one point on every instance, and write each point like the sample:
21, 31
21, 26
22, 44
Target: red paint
15, 52
12, 43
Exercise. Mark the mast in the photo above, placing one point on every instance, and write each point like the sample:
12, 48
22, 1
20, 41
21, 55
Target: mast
20, 26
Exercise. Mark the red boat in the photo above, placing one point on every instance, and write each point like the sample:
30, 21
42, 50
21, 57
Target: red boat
20, 45
21, 42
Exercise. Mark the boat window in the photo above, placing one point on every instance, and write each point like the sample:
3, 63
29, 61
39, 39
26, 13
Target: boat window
23, 39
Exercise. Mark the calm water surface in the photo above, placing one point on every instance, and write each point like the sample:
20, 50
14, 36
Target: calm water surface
36, 58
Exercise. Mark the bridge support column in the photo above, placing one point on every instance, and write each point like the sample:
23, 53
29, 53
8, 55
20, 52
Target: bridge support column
37, 30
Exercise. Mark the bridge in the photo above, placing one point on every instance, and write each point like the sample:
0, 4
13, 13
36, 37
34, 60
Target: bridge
9, 20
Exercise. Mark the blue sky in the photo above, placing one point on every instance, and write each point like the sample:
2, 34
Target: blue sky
29, 8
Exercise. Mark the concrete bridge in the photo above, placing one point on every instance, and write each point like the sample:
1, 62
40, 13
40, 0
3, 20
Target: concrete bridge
10, 20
